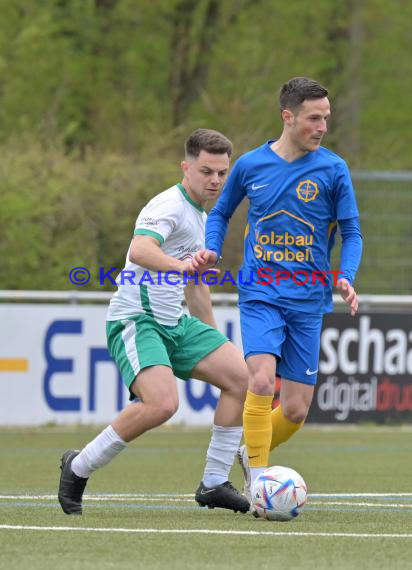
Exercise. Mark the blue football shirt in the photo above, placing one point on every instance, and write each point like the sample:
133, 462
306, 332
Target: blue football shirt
291, 224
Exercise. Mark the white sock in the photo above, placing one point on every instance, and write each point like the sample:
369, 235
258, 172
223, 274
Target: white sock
221, 454
98, 452
254, 474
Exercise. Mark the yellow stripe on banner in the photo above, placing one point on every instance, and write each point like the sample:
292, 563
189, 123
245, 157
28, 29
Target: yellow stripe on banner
14, 364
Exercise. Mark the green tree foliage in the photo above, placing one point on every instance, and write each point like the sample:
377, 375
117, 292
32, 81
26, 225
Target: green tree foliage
97, 96
58, 213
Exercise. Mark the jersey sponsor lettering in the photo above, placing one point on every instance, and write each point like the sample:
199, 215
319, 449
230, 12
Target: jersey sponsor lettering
290, 223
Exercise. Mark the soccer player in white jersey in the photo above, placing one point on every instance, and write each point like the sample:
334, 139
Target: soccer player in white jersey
152, 341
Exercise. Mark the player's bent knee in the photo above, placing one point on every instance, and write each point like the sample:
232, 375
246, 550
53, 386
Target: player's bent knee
261, 384
238, 382
295, 414
237, 391
233, 380
166, 410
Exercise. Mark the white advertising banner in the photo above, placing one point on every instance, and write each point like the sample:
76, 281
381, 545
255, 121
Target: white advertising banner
55, 368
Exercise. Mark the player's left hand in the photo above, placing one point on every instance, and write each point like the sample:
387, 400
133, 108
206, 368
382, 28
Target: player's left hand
348, 294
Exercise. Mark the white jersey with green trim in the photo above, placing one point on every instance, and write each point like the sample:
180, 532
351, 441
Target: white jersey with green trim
178, 223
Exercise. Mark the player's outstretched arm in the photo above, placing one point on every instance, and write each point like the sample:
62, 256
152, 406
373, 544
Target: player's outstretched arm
348, 294
146, 252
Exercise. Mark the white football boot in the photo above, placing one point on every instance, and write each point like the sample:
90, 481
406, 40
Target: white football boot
244, 463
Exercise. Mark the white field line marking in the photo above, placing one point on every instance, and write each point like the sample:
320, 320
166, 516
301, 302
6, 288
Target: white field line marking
397, 505
180, 497
88, 498
106, 496
348, 495
192, 501
176, 500
200, 531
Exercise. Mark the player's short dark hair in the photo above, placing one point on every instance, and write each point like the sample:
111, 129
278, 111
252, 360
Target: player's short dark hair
208, 140
299, 89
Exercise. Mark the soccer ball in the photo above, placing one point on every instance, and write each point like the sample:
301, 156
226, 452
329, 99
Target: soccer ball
279, 494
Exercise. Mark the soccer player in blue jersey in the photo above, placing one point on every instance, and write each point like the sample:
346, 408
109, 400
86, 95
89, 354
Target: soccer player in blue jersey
299, 193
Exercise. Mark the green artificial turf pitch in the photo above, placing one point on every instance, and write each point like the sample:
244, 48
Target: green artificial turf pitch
139, 512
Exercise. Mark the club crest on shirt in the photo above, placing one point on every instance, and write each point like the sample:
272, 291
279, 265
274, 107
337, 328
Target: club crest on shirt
307, 190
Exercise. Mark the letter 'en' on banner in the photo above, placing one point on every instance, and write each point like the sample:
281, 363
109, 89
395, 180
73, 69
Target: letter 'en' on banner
56, 368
